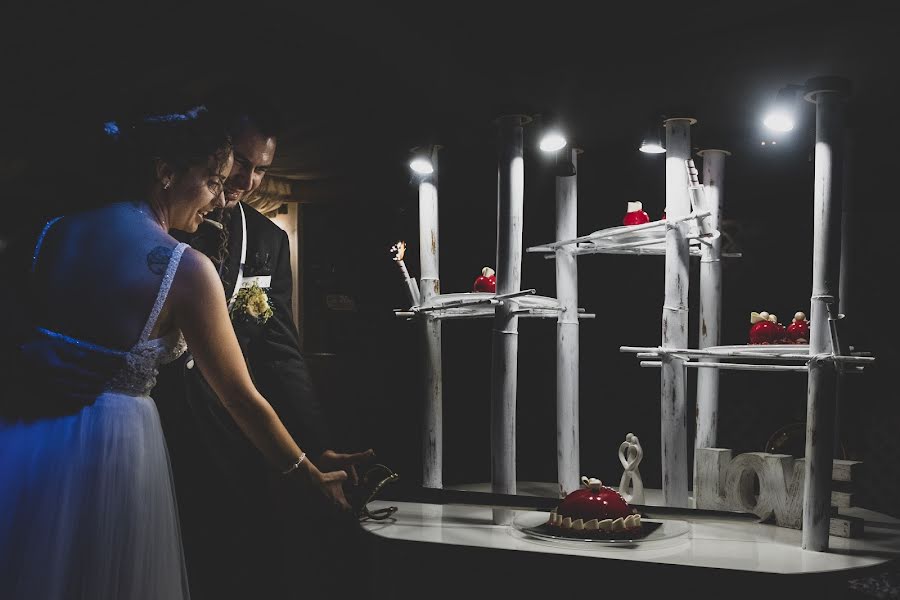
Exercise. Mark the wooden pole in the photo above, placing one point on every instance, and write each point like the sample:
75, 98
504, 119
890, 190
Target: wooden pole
567, 335
432, 438
505, 336
843, 417
673, 415
829, 95
710, 299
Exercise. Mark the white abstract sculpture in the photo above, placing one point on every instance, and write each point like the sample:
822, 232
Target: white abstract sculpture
630, 455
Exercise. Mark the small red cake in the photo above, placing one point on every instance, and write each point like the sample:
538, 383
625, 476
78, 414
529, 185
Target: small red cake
594, 508
486, 282
765, 329
798, 330
635, 215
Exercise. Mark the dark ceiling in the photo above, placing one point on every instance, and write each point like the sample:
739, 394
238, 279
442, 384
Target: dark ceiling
364, 84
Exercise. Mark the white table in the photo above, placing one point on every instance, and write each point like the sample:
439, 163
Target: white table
720, 549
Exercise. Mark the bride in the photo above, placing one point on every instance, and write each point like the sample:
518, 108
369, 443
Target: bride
87, 507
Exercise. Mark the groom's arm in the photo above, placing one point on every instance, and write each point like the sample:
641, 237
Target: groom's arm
278, 366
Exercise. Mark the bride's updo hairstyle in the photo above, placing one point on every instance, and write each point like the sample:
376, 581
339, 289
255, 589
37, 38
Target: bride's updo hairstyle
181, 140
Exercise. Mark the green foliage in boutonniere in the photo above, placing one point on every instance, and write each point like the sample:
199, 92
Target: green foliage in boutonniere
252, 304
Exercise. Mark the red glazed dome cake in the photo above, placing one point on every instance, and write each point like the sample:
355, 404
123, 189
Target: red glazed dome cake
594, 508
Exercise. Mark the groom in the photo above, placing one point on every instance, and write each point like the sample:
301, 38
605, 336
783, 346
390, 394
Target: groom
236, 531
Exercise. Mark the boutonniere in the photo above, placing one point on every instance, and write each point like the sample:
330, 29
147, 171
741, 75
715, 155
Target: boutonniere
252, 303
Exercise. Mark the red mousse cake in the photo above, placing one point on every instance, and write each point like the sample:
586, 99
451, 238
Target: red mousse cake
594, 508
765, 329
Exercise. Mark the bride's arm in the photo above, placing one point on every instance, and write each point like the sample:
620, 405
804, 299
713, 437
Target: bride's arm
198, 305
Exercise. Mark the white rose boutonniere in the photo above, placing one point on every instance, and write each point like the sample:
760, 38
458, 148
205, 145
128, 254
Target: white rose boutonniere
252, 303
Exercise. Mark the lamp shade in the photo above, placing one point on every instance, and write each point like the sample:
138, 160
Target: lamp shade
650, 146
652, 141
552, 140
421, 165
781, 114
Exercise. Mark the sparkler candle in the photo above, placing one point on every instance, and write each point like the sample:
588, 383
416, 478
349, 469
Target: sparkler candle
412, 288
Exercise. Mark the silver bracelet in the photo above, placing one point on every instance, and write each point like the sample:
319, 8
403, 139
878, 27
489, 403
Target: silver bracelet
296, 465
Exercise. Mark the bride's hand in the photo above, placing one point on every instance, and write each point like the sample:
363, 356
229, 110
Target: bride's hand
330, 487
337, 461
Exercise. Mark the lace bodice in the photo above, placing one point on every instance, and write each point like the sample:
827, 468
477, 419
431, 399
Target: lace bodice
136, 373
139, 366
142, 364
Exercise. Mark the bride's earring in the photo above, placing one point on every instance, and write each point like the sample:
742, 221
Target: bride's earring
166, 185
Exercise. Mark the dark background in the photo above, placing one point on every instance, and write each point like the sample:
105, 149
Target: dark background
361, 86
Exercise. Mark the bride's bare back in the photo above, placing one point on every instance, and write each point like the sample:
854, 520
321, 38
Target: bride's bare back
97, 274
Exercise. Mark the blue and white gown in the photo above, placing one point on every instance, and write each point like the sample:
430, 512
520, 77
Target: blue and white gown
87, 504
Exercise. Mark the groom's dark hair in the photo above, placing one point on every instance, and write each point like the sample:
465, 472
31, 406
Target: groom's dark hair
249, 105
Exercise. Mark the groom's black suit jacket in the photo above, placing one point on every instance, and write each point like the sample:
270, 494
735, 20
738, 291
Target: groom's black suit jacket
235, 510
190, 409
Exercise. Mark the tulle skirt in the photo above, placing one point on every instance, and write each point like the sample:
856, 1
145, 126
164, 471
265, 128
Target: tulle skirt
87, 507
